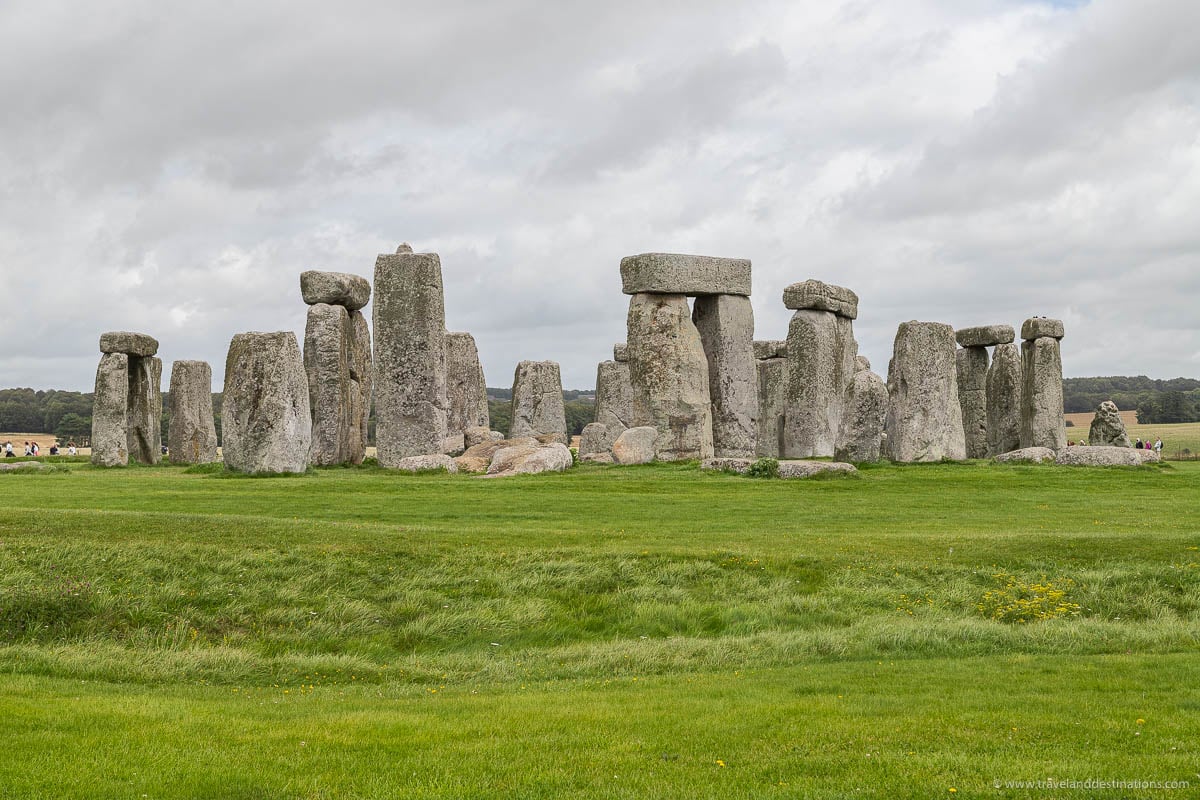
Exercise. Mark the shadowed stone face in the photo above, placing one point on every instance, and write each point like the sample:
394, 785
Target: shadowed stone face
726, 326
337, 361
972, 363
145, 410
772, 404
1004, 400
924, 421
192, 433
537, 401
265, 414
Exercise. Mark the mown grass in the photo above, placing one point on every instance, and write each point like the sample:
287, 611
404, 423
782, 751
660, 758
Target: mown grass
530, 633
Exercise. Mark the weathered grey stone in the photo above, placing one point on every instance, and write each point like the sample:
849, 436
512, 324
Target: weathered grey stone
924, 421
764, 349
861, 364
636, 445
477, 435
985, 336
454, 445
410, 356
466, 390
131, 344
597, 458
674, 273
595, 439
265, 415
669, 374
1041, 327
820, 354
466, 463
1107, 427
1105, 457
1042, 421
110, 412
807, 469
1032, 455
726, 326
1004, 400
531, 459
972, 364
362, 374
772, 406
621, 352
486, 450
819, 296
614, 399
537, 401
860, 436
739, 465
335, 288
427, 463
21, 465
497, 436
191, 433
327, 341
145, 410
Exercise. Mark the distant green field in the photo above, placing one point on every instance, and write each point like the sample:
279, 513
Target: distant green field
609, 632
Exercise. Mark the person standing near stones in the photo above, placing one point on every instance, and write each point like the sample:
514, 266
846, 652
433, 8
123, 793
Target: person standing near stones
1158, 446
8, 451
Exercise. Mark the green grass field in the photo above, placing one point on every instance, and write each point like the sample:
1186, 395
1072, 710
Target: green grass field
609, 632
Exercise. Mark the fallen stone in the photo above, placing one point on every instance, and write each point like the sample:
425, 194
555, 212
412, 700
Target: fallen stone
427, 463
972, 366
764, 349
674, 273
1033, 455
621, 352
145, 410
807, 469
598, 458
474, 464
130, 344
1042, 421
110, 412
739, 465
487, 450
1107, 428
636, 446
772, 406
985, 336
1004, 400
726, 326
537, 401
820, 354
1040, 327
192, 432
20, 465
477, 435
924, 421
265, 418
335, 288
819, 296
531, 459
860, 437
1105, 457
466, 390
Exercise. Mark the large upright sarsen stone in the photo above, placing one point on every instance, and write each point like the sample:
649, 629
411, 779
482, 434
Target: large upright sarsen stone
466, 390
669, 374
972, 363
1004, 400
726, 326
1042, 421
860, 437
337, 362
924, 421
1108, 429
537, 401
110, 412
191, 433
614, 402
410, 356
820, 354
145, 409
265, 420
772, 405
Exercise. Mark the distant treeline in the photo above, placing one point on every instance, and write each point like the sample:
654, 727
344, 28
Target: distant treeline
1157, 402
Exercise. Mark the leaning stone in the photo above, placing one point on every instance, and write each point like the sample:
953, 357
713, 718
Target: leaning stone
410, 356
985, 336
1042, 421
192, 432
531, 459
110, 412
621, 352
807, 469
924, 421
861, 364
595, 439
466, 391
819, 296
477, 435
1004, 400
1040, 327
764, 349
614, 399
772, 406
335, 288
427, 463
264, 417
1108, 429
131, 344
1033, 455
972, 365
674, 273
537, 401
145, 410
636, 446
739, 465
820, 354
860, 437
1105, 457
668, 370
598, 458
726, 326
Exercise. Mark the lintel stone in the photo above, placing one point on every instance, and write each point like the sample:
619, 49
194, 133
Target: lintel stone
985, 336
131, 344
675, 273
821, 296
1042, 327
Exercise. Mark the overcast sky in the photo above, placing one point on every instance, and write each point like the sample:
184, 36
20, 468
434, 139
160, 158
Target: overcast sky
172, 167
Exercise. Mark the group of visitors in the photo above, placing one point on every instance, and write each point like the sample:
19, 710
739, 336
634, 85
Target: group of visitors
33, 449
1156, 447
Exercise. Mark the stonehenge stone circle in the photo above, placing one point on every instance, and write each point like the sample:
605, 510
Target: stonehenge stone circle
985, 336
726, 326
191, 433
668, 370
614, 400
972, 363
818, 296
924, 421
860, 436
337, 361
1004, 400
131, 344
674, 273
772, 404
1107, 427
821, 354
265, 414
537, 401
411, 400
110, 412
351, 292
466, 390
1042, 327
127, 405
1042, 422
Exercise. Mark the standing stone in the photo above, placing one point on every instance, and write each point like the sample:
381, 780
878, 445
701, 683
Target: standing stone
621, 352
410, 356
1042, 422
1004, 400
265, 413
331, 393
820, 354
924, 420
726, 326
191, 434
537, 401
860, 437
361, 376
145, 409
110, 412
1107, 427
595, 439
465, 387
972, 364
669, 374
772, 406
614, 402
